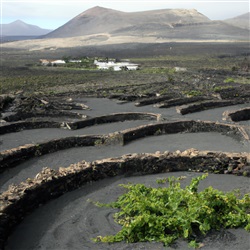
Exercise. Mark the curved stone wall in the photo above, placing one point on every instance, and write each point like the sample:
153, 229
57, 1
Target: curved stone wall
117, 117
204, 105
238, 115
23, 125
35, 115
153, 100
12, 157
181, 101
20, 200
182, 127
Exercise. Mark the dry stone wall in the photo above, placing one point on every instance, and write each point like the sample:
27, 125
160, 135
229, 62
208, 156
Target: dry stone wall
23, 125
118, 117
183, 127
11, 158
204, 105
21, 199
238, 115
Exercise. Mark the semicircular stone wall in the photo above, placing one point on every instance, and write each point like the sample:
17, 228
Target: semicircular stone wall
21, 199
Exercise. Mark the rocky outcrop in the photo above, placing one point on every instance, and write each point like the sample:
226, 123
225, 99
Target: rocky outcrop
20, 200
36, 106
38, 103
5, 100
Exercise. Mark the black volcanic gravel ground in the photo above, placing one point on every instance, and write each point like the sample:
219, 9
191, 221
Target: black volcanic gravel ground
70, 221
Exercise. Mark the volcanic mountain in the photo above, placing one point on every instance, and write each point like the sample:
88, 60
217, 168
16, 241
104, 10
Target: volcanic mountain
101, 26
242, 21
160, 24
20, 28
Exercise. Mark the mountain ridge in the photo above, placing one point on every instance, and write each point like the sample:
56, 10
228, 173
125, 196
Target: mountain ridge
101, 26
103, 20
241, 21
20, 28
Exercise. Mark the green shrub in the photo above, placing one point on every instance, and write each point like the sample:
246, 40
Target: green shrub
229, 80
165, 214
219, 88
193, 93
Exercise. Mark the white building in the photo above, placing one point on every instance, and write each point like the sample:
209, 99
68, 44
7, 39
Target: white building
58, 62
47, 62
75, 61
116, 66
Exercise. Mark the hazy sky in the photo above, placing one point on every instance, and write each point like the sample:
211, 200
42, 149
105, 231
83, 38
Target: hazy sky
54, 13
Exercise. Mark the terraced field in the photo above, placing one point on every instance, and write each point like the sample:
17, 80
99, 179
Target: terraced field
60, 149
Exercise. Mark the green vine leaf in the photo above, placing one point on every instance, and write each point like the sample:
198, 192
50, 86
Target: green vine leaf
165, 214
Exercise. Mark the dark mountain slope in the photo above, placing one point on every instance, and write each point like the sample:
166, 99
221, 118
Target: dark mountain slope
102, 20
100, 26
208, 30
